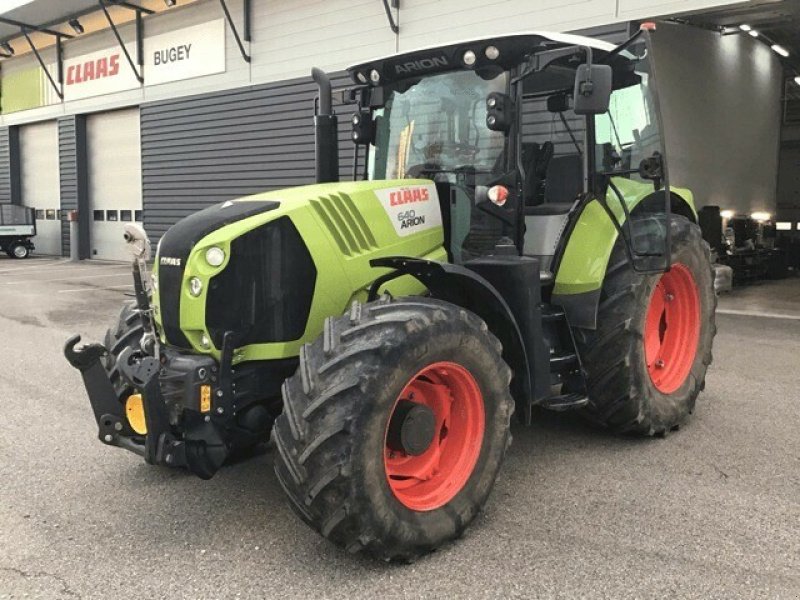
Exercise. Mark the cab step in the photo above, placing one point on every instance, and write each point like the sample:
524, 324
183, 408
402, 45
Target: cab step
564, 402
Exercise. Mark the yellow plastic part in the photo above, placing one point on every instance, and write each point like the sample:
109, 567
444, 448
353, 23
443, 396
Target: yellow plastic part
134, 411
205, 398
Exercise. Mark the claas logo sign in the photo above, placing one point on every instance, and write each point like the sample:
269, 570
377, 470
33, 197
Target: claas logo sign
91, 70
411, 208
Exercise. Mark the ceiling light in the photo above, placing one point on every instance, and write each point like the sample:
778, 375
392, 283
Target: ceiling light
780, 50
726, 214
76, 26
170, 3
760, 216
7, 48
797, 80
753, 33
745, 27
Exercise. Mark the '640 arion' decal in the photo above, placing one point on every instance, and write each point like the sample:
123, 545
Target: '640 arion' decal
411, 208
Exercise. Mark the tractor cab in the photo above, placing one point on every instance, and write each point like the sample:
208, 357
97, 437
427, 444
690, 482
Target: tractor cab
518, 133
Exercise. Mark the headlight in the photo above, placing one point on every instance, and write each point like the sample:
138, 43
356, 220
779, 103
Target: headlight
195, 286
215, 256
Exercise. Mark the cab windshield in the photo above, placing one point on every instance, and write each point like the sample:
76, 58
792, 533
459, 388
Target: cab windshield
435, 126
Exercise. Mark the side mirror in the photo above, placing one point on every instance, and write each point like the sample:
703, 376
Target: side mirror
499, 112
363, 128
593, 84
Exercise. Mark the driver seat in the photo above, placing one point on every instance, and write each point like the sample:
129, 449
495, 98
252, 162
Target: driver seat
563, 184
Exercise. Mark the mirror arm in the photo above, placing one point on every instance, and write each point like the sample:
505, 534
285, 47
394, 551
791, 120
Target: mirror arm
587, 85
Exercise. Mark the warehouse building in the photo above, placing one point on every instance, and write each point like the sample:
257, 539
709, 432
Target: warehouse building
149, 110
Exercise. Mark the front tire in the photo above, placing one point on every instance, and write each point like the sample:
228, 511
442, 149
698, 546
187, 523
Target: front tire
339, 459
127, 333
646, 362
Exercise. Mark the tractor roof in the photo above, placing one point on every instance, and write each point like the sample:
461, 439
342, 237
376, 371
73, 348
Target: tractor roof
512, 48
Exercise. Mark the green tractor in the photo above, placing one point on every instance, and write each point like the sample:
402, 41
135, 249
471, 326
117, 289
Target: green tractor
384, 330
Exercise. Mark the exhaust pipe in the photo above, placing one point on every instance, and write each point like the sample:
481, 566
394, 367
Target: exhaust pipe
326, 134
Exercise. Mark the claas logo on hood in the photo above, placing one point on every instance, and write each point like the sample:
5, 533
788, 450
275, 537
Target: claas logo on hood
408, 196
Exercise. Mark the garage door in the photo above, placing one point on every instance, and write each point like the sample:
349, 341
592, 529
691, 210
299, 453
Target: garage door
40, 183
115, 179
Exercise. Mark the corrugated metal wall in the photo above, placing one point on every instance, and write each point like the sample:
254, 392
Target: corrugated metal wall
5, 167
73, 181
68, 169
214, 147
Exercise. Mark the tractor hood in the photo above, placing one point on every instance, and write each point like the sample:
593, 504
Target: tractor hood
269, 267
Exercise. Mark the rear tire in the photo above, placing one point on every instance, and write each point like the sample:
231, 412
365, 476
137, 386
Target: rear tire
18, 250
334, 459
651, 388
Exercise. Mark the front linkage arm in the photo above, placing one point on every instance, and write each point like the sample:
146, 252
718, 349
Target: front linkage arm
113, 428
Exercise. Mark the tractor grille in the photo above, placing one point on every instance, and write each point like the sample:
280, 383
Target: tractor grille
177, 244
347, 227
264, 293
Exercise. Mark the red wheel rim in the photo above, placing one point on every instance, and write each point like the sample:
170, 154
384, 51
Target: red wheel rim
433, 478
672, 329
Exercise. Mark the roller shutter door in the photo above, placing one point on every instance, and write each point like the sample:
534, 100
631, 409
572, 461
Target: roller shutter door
115, 179
40, 182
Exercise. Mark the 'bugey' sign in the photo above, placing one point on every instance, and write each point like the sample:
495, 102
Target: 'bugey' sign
185, 53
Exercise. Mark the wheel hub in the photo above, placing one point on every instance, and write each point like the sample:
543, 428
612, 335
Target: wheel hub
672, 329
412, 428
434, 436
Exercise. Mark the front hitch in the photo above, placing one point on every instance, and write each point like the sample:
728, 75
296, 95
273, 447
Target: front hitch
200, 448
111, 423
196, 440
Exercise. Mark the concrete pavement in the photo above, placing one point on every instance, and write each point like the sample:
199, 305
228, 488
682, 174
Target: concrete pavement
712, 511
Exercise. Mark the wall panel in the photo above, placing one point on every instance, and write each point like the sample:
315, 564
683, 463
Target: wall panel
214, 147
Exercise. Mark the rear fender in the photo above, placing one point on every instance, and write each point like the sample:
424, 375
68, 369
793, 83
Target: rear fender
583, 262
462, 287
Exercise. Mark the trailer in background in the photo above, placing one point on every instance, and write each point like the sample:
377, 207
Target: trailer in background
17, 227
